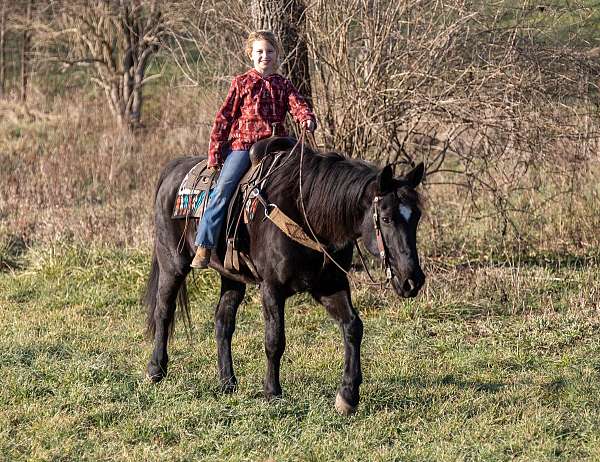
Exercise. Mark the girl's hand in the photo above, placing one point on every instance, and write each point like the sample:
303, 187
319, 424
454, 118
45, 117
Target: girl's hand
309, 124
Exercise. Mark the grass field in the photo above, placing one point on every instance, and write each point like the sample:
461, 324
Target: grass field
496, 360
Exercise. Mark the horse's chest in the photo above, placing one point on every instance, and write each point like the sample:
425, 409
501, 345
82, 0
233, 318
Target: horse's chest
296, 274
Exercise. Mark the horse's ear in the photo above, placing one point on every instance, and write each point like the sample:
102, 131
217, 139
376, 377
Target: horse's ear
385, 180
413, 178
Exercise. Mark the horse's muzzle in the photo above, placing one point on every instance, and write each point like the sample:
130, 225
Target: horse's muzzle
409, 287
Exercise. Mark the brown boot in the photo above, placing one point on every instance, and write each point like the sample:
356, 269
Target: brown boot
201, 259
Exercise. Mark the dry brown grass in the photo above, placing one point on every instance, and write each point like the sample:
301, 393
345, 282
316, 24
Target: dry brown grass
69, 173
72, 175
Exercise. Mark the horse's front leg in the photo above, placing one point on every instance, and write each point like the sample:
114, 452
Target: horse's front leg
338, 304
232, 294
273, 302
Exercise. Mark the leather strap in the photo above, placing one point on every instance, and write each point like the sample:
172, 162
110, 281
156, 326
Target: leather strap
379, 237
289, 227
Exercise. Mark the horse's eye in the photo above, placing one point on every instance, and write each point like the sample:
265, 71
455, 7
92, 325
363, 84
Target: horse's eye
386, 220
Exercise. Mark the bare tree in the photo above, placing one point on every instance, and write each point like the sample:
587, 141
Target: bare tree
3, 48
16, 46
484, 93
387, 70
116, 39
25, 53
206, 38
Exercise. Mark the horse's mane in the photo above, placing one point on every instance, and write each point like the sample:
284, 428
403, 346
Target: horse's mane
332, 189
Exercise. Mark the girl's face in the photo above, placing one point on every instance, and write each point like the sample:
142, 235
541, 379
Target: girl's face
264, 57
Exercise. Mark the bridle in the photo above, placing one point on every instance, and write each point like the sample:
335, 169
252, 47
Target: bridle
380, 242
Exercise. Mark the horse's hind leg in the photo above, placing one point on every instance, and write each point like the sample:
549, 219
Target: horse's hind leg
169, 283
232, 294
338, 304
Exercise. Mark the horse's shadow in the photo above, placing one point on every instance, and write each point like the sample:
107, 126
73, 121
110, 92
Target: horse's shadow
394, 393
402, 393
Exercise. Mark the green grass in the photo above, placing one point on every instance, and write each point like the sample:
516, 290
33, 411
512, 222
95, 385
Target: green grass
493, 361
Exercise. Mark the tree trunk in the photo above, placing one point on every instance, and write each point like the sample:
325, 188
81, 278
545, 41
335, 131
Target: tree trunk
135, 70
286, 19
135, 113
25, 54
2, 48
135, 60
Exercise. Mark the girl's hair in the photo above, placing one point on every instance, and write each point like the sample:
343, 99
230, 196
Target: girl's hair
262, 35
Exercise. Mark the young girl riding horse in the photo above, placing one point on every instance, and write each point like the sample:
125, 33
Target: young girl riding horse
255, 108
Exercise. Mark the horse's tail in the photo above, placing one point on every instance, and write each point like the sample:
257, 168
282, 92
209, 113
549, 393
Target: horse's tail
149, 299
149, 296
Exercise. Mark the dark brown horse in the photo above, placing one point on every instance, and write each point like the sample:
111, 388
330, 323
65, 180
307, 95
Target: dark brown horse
339, 197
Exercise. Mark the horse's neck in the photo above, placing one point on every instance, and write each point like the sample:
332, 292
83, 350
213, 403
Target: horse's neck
335, 220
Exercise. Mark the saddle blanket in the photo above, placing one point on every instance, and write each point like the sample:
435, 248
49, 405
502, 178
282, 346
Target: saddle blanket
194, 192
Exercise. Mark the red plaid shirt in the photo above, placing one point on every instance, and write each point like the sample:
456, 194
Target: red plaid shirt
252, 105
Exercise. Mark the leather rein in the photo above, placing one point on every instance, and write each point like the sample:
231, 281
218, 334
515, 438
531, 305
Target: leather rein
316, 245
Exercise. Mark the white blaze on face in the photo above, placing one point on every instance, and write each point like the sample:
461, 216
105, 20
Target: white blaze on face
406, 212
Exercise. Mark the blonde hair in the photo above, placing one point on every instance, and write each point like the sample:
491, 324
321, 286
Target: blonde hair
266, 35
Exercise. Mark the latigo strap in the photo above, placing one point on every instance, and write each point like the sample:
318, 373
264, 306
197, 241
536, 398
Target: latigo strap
290, 227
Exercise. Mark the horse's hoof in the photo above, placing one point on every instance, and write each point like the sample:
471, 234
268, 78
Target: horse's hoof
272, 395
273, 398
272, 392
342, 406
154, 378
155, 374
229, 387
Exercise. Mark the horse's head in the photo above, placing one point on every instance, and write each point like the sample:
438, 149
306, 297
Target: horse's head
389, 228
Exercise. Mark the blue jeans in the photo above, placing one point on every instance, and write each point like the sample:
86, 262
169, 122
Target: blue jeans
234, 167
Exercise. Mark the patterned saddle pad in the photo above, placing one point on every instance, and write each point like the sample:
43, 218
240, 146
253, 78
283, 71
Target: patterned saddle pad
194, 192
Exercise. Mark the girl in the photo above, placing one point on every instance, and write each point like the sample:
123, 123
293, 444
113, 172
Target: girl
255, 108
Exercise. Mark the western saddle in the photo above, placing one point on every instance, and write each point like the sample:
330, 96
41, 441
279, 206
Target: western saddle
194, 192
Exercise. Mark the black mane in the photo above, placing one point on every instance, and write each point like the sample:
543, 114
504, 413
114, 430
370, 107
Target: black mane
332, 190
